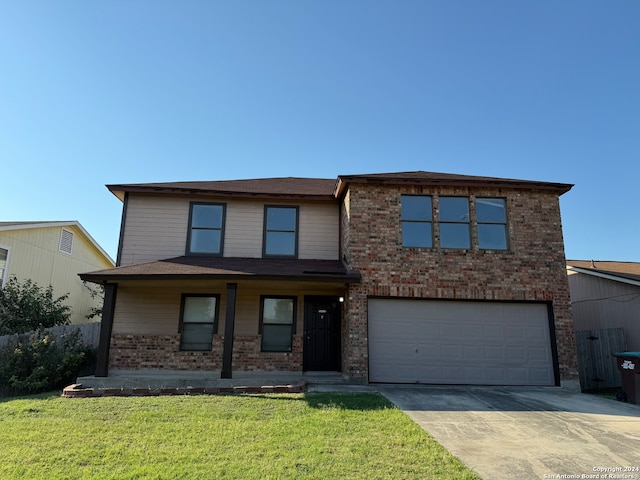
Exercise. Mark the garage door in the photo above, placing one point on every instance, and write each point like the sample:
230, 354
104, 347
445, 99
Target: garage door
451, 342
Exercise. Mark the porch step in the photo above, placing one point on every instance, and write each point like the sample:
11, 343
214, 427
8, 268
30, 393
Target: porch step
326, 378
204, 379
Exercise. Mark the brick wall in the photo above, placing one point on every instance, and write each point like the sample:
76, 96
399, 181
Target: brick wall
136, 352
248, 357
532, 269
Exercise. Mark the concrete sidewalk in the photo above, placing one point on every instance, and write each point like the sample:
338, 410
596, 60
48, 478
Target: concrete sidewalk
527, 432
205, 379
161, 382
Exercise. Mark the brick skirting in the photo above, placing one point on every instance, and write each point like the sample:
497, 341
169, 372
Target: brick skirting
147, 351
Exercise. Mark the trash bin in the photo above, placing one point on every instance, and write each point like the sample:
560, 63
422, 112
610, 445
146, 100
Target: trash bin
629, 366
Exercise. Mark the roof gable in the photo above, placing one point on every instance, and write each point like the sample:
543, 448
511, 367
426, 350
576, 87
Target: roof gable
10, 226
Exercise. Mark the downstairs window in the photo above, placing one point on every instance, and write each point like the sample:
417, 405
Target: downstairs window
198, 322
277, 323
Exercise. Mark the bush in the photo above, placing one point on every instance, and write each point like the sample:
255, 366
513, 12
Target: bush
96, 292
27, 307
43, 362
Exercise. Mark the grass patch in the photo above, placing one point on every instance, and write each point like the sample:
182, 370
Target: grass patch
301, 436
611, 393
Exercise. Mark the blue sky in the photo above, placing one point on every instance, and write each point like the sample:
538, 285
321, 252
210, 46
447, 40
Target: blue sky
93, 93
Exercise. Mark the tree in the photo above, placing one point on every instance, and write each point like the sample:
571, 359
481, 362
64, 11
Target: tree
27, 307
96, 292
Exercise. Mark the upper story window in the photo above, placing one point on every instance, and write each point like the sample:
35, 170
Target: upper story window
454, 222
491, 214
206, 228
280, 231
417, 221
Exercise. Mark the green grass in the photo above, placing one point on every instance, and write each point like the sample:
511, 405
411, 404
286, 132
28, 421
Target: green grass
605, 392
301, 436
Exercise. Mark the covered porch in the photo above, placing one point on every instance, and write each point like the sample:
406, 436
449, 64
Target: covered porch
221, 317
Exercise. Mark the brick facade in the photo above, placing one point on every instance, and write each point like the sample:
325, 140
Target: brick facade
248, 357
532, 269
139, 352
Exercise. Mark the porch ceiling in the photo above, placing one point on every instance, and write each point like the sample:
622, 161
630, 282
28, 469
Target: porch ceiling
208, 267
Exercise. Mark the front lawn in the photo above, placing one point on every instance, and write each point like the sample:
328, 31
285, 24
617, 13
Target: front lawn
319, 436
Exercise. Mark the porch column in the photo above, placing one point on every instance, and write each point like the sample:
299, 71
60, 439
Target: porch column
229, 321
106, 325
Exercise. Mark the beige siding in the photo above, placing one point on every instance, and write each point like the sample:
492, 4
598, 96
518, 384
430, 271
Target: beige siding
34, 254
243, 232
319, 231
598, 303
157, 228
150, 309
248, 301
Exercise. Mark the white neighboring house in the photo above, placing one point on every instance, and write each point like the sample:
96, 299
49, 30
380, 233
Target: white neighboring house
53, 253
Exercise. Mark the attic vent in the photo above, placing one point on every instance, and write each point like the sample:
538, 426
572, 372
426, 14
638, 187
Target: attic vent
66, 241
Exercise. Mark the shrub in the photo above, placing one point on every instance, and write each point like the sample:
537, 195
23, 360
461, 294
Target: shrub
96, 292
43, 362
27, 307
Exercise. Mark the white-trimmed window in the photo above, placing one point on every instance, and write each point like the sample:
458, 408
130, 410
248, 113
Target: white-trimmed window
66, 241
4, 263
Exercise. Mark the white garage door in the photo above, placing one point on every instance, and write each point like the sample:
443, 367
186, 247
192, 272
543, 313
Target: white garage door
451, 342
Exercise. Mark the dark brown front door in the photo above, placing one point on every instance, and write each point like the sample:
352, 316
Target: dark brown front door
322, 334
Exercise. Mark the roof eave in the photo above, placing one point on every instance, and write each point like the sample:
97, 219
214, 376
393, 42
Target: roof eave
115, 278
559, 188
120, 190
606, 276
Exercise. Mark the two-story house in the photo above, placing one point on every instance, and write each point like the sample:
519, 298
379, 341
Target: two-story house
53, 253
411, 277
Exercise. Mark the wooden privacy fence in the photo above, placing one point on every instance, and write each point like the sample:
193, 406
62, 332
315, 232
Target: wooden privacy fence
89, 333
596, 363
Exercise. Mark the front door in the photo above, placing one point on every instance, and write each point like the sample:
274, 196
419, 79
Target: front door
322, 334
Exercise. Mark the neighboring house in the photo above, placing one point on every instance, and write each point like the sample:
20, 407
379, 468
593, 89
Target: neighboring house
52, 253
411, 277
606, 295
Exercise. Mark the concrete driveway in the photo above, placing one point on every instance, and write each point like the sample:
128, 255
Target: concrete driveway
527, 432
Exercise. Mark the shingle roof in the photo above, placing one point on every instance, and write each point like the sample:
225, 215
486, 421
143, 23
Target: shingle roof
325, 188
628, 270
207, 267
294, 187
447, 179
